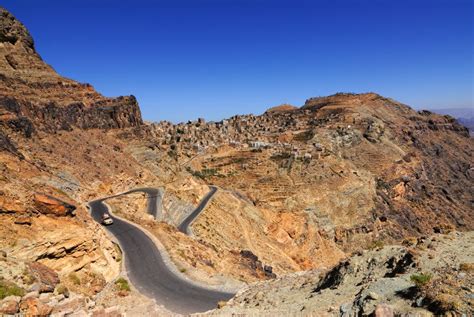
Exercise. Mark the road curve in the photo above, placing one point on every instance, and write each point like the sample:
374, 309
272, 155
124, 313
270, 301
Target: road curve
184, 226
152, 194
147, 269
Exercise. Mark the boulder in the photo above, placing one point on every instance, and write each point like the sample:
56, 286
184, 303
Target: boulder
47, 278
33, 307
10, 305
51, 206
23, 220
69, 306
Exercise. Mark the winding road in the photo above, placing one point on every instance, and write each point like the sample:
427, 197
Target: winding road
184, 226
147, 269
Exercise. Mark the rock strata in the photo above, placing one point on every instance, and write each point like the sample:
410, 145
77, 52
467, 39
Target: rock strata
32, 94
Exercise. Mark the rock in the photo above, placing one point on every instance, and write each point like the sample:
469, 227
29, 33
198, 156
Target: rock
259, 296
91, 304
122, 293
33, 307
12, 298
35, 287
79, 313
51, 206
374, 131
346, 309
23, 220
70, 305
107, 312
45, 297
33, 294
383, 310
419, 301
9, 306
373, 295
62, 296
47, 278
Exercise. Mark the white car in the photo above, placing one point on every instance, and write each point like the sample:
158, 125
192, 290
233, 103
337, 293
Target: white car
107, 220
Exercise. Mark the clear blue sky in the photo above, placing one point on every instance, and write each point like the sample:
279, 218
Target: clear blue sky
214, 59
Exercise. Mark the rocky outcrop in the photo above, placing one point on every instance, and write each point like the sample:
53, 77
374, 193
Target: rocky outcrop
33, 95
48, 205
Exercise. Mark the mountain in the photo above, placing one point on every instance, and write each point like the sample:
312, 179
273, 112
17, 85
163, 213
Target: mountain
34, 96
465, 116
300, 191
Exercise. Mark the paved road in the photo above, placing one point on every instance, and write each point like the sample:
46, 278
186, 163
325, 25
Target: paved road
184, 226
149, 273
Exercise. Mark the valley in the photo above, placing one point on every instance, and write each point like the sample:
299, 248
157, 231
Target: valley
328, 208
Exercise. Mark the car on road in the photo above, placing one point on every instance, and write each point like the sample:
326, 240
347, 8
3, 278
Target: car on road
107, 220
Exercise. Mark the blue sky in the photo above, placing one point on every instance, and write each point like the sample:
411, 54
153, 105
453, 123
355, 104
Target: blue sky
214, 59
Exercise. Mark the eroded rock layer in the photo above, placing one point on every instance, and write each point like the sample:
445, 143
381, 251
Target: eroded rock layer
32, 94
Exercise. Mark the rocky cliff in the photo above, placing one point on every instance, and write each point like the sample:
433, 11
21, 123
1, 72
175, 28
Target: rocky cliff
34, 96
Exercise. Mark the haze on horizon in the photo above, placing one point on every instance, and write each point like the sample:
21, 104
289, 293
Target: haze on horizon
215, 59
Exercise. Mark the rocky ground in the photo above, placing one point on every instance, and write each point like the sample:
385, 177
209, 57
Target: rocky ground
421, 277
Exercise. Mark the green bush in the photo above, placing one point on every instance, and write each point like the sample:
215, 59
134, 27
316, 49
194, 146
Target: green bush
421, 279
8, 288
122, 284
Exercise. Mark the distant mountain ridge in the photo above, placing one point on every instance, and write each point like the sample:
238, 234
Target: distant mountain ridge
465, 116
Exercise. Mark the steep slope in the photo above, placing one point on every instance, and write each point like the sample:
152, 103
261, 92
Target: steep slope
52, 160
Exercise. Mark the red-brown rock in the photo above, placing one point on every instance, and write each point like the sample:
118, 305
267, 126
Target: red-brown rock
33, 307
47, 278
51, 206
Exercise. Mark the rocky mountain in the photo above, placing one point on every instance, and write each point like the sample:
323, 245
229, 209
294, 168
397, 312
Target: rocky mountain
34, 96
299, 189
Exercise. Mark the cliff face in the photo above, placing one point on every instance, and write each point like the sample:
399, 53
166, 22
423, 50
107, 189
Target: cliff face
33, 96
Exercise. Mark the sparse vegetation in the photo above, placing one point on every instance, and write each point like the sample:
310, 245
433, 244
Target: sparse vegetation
376, 245
182, 270
118, 251
122, 284
421, 279
221, 304
204, 173
9, 288
62, 290
74, 279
